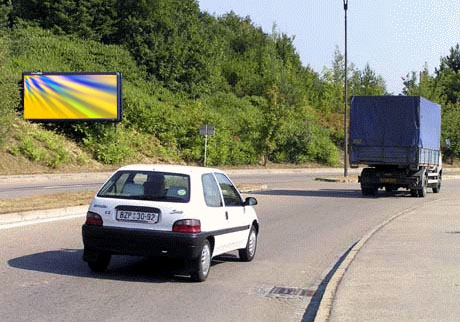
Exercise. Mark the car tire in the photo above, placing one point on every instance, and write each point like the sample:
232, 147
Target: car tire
248, 253
202, 265
100, 264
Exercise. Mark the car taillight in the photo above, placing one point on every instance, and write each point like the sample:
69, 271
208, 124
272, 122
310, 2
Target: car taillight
191, 226
93, 219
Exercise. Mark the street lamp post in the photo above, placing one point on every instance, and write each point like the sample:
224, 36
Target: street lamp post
345, 132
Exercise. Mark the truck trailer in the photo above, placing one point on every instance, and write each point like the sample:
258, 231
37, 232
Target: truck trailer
398, 138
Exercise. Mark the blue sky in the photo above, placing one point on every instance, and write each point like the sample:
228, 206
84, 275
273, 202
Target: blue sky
394, 36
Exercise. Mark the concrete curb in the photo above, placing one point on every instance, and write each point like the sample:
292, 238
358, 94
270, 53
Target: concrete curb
324, 309
37, 215
354, 179
238, 172
247, 188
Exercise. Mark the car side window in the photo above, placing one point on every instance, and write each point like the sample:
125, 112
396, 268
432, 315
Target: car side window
231, 195
211, 191
116, 183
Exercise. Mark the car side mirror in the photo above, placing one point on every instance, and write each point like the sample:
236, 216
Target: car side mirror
250, 201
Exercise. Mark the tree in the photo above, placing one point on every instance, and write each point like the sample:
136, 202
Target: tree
6, 7
89, 19
275, 114
424, 85
369, 83
450, 62
168, 38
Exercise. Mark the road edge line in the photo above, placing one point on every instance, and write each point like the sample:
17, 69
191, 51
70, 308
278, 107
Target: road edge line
324, 310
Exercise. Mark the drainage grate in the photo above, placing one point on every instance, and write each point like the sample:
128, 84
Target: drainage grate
289, 292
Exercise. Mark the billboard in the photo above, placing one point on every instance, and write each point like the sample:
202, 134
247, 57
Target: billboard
54, 97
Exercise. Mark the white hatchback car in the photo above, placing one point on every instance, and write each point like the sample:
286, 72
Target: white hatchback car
183, 212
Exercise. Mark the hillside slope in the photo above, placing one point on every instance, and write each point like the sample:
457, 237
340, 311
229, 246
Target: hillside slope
181, 69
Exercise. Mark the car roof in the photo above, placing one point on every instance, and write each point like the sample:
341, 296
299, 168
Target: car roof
169, 168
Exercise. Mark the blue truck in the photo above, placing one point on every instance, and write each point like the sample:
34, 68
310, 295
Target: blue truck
398, 138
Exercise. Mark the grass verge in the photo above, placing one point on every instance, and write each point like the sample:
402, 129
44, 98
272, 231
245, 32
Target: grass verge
60, 200
71, 199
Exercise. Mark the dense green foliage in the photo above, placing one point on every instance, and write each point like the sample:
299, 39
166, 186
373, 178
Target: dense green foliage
443, 87
182, 68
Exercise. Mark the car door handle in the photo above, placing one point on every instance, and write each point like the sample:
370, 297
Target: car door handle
226, 215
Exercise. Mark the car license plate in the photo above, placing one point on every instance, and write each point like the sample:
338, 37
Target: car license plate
137, 216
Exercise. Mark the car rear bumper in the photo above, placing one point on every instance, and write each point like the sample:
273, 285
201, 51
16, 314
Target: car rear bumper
137, 242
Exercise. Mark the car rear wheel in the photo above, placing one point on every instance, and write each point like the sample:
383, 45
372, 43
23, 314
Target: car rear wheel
100, 264
248, 253
201, 266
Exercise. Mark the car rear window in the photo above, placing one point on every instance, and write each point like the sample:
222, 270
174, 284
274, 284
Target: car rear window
147, 185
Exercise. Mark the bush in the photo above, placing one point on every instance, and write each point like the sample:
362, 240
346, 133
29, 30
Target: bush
301, 140
39, 145
8, 88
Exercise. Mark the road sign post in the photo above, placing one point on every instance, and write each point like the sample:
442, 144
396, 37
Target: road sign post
205, 130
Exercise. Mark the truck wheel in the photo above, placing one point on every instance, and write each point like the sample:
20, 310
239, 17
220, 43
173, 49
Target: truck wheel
414, 192
369, 191
366, 191
422, 191
389, 188
437, 188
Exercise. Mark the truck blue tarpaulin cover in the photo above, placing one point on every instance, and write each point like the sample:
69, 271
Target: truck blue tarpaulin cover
393, 128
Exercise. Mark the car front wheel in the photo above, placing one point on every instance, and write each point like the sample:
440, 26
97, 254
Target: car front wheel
201, 266
248, 253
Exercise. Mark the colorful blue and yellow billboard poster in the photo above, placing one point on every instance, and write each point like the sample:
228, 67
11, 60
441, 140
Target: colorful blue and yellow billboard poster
52, 97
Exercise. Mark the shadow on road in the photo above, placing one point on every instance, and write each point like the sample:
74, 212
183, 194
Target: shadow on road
123, 268
330, 193
313, 306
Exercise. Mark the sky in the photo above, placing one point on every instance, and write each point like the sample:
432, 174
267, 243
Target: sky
395, 36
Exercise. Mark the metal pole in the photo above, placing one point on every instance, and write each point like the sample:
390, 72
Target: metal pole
205, 144
345, 131
205, 148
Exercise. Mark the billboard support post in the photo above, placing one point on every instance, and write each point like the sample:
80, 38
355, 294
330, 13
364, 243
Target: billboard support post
205, 130
205, 148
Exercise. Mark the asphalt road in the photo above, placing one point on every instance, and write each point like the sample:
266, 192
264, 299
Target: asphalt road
24, 186
49, 186
305, 228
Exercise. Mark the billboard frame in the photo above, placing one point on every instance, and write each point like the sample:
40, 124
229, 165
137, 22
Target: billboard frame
101, 120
